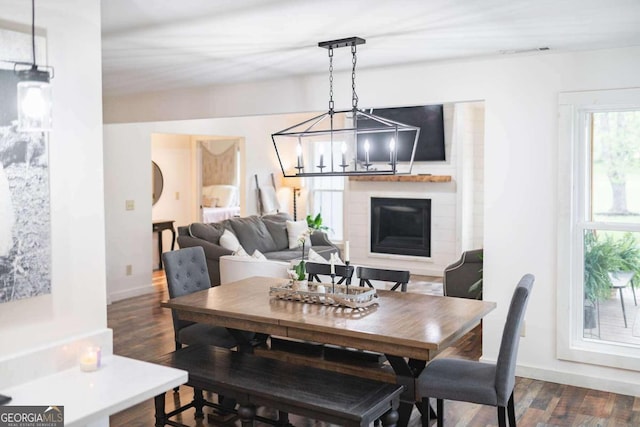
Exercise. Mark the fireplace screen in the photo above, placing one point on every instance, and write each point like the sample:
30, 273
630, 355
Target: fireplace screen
401, 226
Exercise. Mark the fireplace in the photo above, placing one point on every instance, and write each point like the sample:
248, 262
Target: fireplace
401, 226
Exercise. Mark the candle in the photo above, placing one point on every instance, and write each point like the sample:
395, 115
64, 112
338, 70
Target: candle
90, 359
344, 152
392, 148
366, 152
321, 155
333, 264
320, 289
346, 251
299, 153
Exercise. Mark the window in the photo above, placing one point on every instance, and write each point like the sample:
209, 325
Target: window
327, 196
599, 231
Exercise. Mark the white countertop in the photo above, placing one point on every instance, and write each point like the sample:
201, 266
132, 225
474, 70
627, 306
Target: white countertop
88, 397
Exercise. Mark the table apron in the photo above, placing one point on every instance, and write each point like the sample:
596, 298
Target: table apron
241, 324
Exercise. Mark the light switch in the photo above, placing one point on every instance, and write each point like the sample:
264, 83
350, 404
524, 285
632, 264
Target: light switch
129, 205
128, 269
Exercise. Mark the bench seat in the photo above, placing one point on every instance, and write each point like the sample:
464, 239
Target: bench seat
257, 381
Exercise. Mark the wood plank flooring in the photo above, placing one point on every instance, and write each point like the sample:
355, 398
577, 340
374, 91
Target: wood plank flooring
142, 330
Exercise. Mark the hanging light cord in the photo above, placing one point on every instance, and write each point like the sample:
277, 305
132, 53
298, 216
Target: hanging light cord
354, 97
331, 80
33, 30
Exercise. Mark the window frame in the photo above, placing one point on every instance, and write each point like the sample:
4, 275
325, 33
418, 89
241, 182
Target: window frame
574, 193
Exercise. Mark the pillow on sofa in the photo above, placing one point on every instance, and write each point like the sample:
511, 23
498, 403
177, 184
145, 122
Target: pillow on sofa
258, 255
229, 241
209, 232
313, 256
253, 234
276, 224
295, 229
225, 195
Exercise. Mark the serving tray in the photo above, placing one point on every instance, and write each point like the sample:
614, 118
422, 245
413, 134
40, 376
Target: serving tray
358, 297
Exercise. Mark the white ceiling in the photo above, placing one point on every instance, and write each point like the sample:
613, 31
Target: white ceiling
168, 44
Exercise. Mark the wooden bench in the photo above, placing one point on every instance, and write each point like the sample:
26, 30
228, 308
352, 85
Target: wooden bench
257, 381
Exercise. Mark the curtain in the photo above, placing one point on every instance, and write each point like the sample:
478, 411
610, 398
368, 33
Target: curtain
219, 167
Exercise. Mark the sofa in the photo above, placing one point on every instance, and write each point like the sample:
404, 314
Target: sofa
267, 234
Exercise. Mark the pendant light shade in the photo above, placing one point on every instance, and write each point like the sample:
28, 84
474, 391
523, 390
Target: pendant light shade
34, 101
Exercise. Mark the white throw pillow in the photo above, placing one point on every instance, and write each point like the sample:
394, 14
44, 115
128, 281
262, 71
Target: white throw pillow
259, 255
295, 230
224, 195
314, 256
228, 240
241, 253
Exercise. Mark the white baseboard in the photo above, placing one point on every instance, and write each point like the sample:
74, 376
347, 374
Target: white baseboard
576, 380
129, 293
38, 362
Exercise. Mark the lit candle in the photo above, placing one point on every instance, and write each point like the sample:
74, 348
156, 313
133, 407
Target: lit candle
366, 151
346, 251
333, 264
392, 148
344, 152
321, 155
90, 359
299, 153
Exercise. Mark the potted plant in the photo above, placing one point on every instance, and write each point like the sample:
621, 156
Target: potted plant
315, 223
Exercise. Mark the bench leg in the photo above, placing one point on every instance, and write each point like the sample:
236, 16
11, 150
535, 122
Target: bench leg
161, 416
283, 419
390, 418
247, 413
198, 403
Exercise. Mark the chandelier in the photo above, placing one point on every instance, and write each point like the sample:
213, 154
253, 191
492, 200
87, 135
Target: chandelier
345, 142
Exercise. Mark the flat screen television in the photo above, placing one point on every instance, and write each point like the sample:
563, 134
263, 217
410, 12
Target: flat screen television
430, 146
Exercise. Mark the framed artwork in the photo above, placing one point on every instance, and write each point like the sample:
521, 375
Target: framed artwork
25, 220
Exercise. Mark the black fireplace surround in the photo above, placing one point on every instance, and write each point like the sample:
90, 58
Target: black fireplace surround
401, 226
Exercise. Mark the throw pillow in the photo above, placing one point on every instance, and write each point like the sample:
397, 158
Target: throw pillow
258, 255
241, 253
228, 240
314, 256
296, 230
209, 202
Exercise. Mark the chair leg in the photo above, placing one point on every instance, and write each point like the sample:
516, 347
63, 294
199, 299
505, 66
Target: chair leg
198, 403
440, 414
426, 412
633, 289
511, 411
178, 347
502, 422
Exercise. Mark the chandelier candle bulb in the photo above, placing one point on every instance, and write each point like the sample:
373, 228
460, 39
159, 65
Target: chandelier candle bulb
344, 151
392, 149
299, 153
90, 359
321, 150
366, 152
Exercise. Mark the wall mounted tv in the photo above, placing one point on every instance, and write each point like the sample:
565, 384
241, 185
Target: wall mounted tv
430, 146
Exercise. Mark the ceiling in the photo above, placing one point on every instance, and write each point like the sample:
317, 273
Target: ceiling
168, 44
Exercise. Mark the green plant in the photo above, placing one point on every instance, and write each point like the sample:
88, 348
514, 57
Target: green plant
604, 254
300, 270
315, 223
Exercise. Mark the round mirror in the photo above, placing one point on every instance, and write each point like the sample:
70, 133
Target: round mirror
157, 181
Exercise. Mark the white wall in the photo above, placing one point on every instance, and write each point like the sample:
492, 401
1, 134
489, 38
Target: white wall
173, 155
520, 197
127, 152
77, 303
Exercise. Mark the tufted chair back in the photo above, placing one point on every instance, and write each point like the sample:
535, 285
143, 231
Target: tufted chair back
186, 271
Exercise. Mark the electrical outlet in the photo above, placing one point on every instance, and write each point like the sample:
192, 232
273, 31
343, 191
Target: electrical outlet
523, 329
129, 269
129, 205
177, 195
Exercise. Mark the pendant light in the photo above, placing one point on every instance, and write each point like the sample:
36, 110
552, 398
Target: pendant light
34, 90
342, 142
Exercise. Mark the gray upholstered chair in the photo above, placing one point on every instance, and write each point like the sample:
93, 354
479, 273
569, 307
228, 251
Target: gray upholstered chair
186, 271
477, 382
462, 274
399, 277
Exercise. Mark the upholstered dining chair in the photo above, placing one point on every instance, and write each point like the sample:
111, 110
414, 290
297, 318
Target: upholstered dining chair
186, 271
400, 277
478, 382
315, 270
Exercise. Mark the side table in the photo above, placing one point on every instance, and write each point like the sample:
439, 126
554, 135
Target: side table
158, 227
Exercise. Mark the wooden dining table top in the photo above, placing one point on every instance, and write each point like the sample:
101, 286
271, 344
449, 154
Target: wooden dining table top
401, 323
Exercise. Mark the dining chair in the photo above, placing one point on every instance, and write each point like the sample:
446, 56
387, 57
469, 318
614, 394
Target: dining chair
186, 271
478, 382
315, 270
400, 277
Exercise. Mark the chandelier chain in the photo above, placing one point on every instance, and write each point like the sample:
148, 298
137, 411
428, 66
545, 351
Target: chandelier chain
331, 79
354, 60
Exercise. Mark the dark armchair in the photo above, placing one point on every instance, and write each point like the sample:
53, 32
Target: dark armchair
462, 274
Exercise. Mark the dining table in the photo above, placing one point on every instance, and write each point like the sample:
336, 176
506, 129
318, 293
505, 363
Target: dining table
410, 329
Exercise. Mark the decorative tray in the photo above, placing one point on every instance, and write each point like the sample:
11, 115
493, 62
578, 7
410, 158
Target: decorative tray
358, 297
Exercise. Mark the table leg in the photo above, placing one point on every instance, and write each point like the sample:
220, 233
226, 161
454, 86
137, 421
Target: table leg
406, 374
173, 237
160, 248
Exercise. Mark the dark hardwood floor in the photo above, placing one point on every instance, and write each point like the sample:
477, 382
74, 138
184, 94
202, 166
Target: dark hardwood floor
142, 330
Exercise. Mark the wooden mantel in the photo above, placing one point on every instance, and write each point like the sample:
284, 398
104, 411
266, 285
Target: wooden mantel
402, 178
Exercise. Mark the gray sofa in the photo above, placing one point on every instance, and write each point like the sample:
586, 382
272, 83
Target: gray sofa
268, 234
